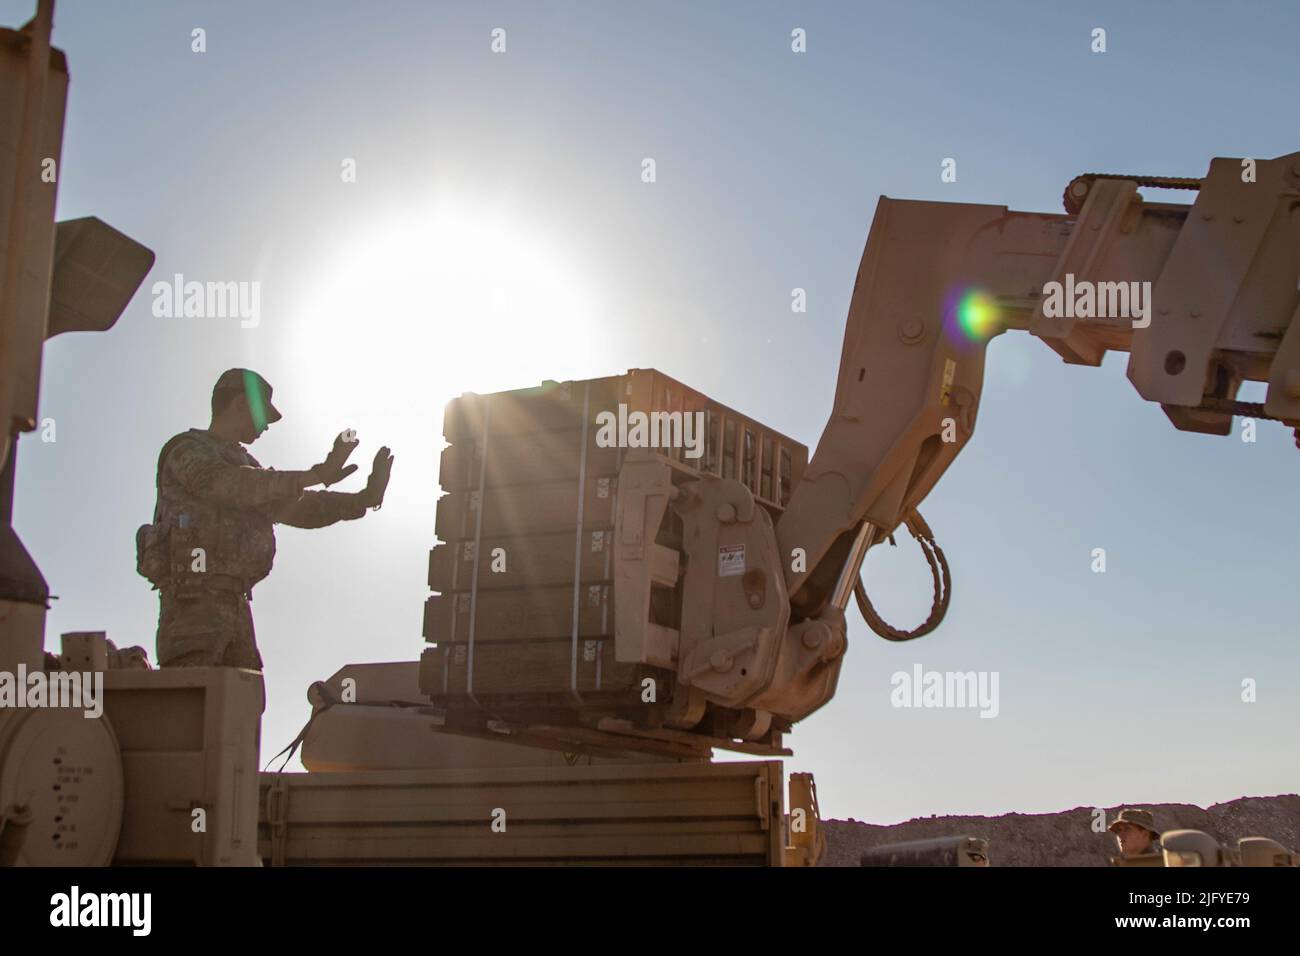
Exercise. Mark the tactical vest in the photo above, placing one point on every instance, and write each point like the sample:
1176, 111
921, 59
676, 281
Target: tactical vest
192, 539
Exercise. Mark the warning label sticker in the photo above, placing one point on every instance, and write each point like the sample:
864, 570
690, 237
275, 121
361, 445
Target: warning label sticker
731, 560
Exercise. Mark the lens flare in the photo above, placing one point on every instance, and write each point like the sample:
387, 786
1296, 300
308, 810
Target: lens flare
256, 401
978, 316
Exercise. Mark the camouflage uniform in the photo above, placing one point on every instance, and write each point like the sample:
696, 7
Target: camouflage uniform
214, 496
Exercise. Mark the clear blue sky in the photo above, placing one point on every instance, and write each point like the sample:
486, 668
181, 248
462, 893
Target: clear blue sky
499, 234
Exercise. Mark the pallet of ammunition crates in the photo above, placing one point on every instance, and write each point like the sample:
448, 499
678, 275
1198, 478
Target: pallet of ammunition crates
523, 616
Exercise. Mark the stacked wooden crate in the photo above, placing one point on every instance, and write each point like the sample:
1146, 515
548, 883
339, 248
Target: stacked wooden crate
523, 616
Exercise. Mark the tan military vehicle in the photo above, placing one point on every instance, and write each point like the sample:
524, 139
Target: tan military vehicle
631, 575
1196, 848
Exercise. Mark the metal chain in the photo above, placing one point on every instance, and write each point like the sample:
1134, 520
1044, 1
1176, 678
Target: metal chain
1074, 199
939, 573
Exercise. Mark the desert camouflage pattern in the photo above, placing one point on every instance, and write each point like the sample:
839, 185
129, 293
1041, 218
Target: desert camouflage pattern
206, 627
217, 508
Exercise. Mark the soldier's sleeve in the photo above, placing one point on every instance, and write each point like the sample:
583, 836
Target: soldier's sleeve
318, 509
204, 474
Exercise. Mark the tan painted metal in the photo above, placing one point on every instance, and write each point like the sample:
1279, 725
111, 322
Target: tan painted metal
166, 774
1196, 848
734, 613
54, 277
375, 717
33, 91
692, 814
1261, 851
771, 549
806, 840
645, 488
189, 739
1223, 276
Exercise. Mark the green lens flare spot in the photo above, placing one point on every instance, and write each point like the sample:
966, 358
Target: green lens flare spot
978, 315
256, 400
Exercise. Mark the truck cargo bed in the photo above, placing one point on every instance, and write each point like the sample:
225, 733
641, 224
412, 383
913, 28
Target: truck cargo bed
662, 814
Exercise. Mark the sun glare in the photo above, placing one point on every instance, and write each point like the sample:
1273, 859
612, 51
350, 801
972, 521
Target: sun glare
441, 301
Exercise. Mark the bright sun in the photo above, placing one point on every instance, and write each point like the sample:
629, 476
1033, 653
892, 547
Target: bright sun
445, 300
429, 304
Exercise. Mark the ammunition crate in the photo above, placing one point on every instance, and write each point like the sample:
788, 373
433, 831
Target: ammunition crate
524, 612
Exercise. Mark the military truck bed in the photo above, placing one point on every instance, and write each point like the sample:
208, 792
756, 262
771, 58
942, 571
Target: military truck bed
700, 814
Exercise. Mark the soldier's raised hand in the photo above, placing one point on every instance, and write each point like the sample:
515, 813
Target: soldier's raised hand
380, 472
333, 469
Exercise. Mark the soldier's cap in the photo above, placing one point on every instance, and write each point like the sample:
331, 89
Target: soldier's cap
255, 388
1139, 818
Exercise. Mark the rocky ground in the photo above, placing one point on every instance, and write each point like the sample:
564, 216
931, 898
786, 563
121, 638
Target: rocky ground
1066, 838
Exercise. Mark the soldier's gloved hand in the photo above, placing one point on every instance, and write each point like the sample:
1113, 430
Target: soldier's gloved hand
373, 494
333, 468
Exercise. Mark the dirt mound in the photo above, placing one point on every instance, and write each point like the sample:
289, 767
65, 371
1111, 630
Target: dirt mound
1067, 838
